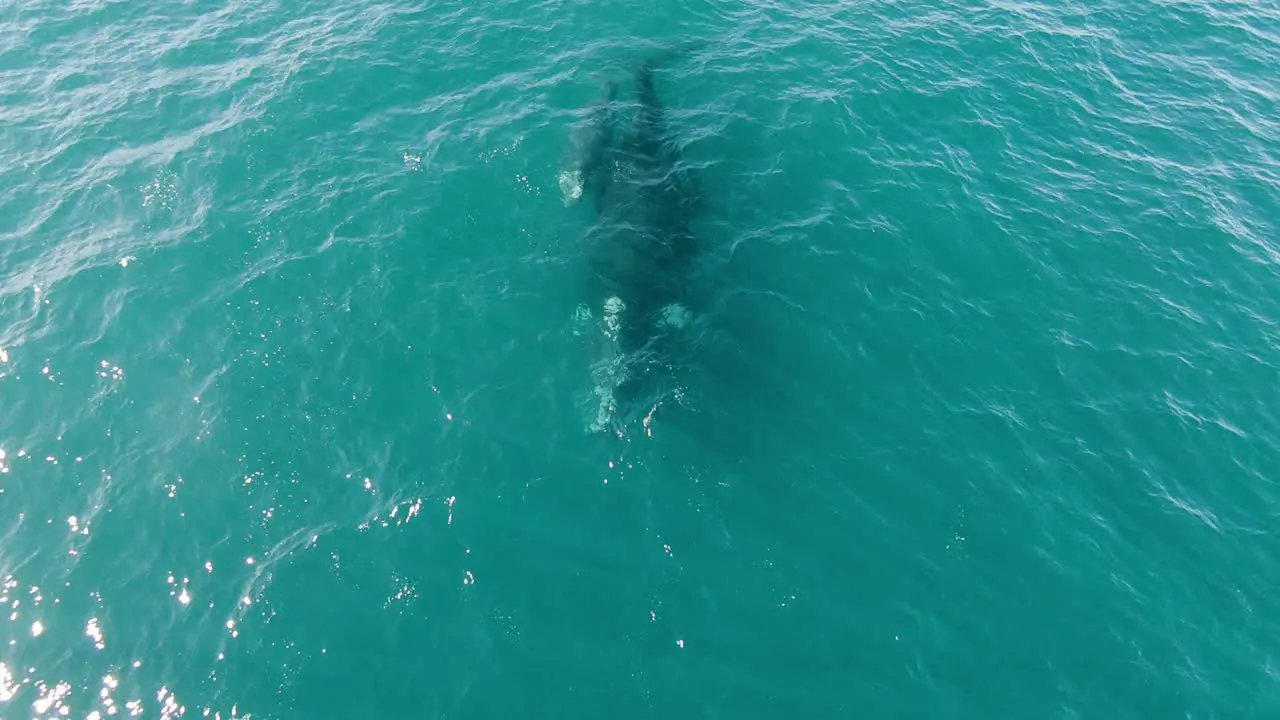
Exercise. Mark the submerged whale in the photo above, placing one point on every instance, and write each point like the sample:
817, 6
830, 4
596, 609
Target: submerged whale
640, 249
585, 162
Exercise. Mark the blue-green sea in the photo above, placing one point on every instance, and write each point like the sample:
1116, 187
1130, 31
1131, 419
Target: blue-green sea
978, 415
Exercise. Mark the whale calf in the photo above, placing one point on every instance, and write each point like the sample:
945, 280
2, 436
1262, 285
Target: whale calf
585, 161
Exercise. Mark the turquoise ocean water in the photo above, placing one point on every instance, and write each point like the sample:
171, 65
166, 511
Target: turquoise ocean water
980, 418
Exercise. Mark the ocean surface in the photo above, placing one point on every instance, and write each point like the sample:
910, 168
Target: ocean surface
979, 417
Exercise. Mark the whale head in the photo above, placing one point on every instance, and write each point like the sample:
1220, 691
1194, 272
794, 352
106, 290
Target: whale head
571, 186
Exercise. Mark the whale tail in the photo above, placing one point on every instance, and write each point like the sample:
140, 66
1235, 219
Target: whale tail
672, 54
644, 74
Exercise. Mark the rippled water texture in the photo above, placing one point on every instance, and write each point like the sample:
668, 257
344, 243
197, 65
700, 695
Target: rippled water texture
980, 423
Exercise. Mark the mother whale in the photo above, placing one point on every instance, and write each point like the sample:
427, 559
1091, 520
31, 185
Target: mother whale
639, 250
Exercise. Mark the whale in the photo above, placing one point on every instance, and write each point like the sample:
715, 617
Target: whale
585, 161
640, 249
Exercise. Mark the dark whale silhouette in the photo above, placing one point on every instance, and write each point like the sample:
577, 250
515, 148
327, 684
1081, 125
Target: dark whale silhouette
586, 160
640, 249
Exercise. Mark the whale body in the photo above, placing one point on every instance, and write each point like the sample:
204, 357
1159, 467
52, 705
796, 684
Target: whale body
640, 249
